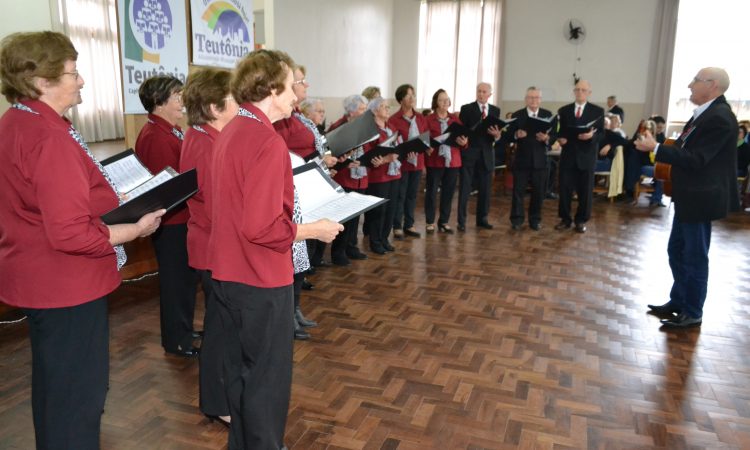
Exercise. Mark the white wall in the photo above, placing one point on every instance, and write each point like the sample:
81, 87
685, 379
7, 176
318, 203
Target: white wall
28, 15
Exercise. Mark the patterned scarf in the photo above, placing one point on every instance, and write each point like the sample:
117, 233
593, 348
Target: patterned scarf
360, 172
413, 132
394, 167
444, 150
319, 139
119, 249
299, 248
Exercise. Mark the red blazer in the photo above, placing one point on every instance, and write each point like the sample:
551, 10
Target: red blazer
435, 160
54, 248
344, 119
158, 147
196, 154
298, 138
380, 174
398, 124
251, 204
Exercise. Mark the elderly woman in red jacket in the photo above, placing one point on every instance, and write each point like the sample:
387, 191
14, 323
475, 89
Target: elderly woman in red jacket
254, 224
58, 260
210, 106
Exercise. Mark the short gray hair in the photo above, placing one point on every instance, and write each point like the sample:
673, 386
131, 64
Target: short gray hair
352, 102
375, 103
308, 104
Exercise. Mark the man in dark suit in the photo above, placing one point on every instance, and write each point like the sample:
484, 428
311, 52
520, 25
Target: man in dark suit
614, 108
529, 161
478, 160
704, 188
578, 157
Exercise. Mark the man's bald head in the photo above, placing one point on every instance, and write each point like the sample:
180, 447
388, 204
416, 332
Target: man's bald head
484, 91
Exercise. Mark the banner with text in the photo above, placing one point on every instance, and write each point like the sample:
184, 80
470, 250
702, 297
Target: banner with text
153, 41
222, 31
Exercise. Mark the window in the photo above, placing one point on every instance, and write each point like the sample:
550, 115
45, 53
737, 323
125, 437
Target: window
710, 35
459, 46
92, 27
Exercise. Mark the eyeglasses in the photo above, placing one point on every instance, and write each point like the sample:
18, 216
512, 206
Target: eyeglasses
301, 82
704, 80
176, 96
75, 74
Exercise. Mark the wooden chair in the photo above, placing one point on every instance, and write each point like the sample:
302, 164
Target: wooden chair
641, 187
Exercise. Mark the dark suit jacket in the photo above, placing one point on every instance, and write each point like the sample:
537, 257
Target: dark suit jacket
704, 165
530, 153
470, 115
577, 153
617, 110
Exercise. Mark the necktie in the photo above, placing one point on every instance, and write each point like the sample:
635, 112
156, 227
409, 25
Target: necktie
484, 111
578, 112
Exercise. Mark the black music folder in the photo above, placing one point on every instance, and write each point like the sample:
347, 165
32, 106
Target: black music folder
145, 192
322, 198
572, 131
383, 149
352, 134
453, 132
534, 125
483, 125
419, 144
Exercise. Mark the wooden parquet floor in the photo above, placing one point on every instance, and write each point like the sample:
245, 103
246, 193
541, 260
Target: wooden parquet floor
483, 340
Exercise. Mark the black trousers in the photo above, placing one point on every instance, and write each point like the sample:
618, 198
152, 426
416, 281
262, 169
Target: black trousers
521, 179
445, 178
380, 219
177, 287
213, 396
69, 374
582, 182
406, 199
315, 251
473, 170
258, 367
345, 243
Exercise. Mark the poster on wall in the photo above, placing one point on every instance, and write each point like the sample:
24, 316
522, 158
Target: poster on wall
222, 31
153, 41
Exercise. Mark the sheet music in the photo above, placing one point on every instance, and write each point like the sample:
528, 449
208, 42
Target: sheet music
127, 173
158, 179
343, 207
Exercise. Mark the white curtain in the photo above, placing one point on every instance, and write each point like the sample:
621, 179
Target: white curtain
662, 57
459, 46
92, 26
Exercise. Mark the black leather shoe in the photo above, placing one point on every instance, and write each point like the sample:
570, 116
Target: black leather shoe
443, 228
341, 261
563, 225
412, 232
302, 320
197, 334
485, 225
536, 226
377, 249
398, 234
191, 353
682, 320
551, 196
356, 254
580, 228
461, 228
666, 310
306, 285
218, 420
516, 227
388, 247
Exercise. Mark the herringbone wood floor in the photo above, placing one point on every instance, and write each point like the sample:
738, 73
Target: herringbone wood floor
483, 340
